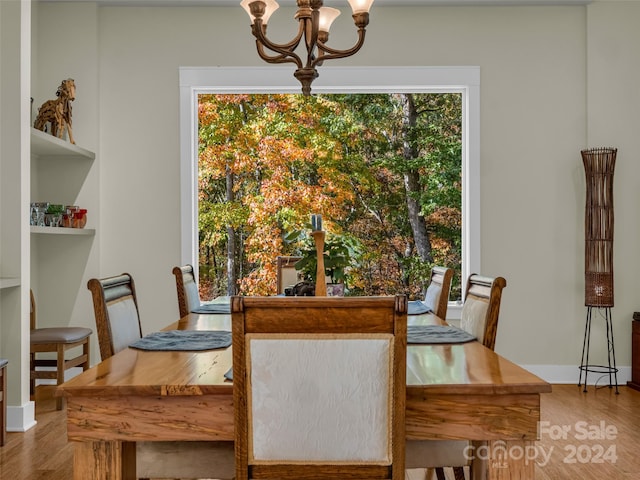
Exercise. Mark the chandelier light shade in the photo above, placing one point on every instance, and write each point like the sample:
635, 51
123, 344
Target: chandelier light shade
314, 22
599, 164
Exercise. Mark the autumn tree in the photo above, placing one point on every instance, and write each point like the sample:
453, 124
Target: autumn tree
412, 146
383, 169
276, 163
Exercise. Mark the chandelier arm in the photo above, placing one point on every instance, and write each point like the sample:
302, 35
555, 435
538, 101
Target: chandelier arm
328, 53
281, 58
285, 50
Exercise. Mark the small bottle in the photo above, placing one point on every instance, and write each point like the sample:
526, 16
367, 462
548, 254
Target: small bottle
80, 218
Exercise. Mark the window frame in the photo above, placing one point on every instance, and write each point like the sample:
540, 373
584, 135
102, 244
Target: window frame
465, 80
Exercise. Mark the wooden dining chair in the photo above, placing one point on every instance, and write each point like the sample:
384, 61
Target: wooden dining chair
479, 317
115, 306
437, 294
118, 323
56, 340
319, 387
187, 289
286, 273
481, 308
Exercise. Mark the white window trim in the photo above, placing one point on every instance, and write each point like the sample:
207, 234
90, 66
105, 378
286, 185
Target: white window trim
464, 80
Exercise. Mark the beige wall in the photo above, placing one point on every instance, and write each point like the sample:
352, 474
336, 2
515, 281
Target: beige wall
554, 80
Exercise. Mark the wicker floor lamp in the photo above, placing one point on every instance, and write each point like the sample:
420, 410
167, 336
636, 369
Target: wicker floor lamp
599, 165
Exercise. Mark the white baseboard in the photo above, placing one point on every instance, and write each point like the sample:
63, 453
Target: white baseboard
568, 374
21, 419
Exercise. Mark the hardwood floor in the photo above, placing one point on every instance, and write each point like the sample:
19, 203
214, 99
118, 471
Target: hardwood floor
41, 452
610, 423
602, 434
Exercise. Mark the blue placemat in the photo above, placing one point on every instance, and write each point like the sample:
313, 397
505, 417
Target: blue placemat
184, 340
427, 334
417, 307
213, 308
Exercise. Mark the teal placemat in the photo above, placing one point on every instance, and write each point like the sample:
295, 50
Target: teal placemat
184, 340
427, 334
213, 308
417, 307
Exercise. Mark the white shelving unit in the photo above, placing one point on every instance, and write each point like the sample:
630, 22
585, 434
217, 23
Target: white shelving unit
60, 256
37, 167
59, 158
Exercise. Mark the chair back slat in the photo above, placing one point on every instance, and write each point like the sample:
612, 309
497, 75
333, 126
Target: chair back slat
115, 290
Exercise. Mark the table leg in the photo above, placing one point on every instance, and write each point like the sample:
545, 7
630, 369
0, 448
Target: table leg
104, 461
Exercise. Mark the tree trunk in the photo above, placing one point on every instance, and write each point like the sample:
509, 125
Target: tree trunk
412, 181
231, 243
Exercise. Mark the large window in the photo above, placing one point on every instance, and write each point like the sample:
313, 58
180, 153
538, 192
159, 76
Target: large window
462, 82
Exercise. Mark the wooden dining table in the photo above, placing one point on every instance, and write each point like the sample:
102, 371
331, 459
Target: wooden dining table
454, 391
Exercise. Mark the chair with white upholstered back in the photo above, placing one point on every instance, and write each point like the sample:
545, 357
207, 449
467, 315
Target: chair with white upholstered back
118, 323
437, 294
319, 387
479, 317
481, 308
115, 307
187, 289
286, 272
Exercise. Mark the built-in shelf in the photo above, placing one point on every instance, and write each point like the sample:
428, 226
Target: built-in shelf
46, 145
63, 231
9, 282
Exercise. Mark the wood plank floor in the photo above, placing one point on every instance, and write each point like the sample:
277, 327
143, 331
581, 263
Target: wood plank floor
610, 423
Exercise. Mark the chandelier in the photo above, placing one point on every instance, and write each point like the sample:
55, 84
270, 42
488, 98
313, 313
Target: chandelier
314, 22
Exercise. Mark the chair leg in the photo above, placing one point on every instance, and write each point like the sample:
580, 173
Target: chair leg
32, 369
85, 351
60, 374
458, 473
